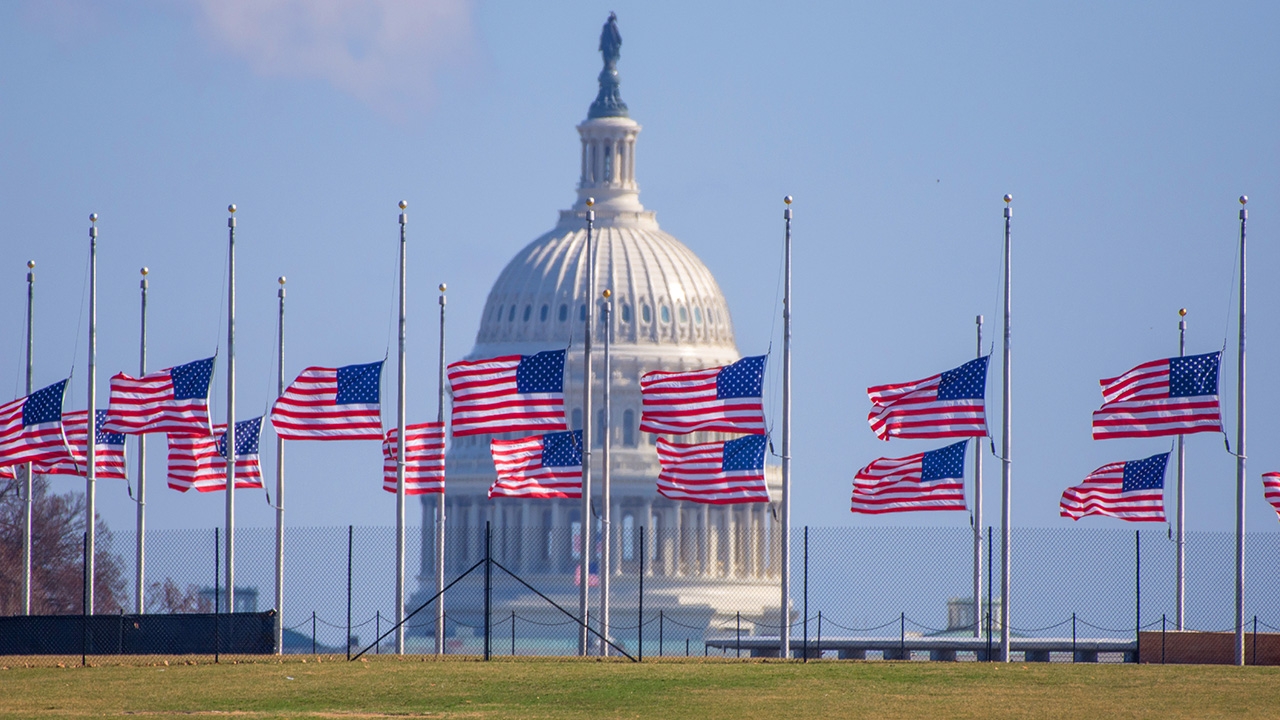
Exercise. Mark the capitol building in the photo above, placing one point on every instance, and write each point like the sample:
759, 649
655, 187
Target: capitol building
668, 313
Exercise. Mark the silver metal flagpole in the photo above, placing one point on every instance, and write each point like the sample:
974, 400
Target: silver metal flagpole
231, 409
90, 489
977, 518
400, 383
440, 505
606, 527
584, 568
1182, 490
784, 615
1240, 449
279, 624
140, 586
27, 506
1006, 463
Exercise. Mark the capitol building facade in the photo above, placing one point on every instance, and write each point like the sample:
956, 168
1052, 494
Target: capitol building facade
668, 313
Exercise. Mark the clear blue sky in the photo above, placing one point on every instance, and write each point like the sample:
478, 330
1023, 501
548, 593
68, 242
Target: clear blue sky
1124, 131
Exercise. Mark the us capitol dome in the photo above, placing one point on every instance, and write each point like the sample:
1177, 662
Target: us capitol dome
668, 314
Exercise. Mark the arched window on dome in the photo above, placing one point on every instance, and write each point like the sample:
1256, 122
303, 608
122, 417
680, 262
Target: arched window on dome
697, 315
645, 313
608, 162
564, 312
665, 313
629, 428
528, 312
511, 316
582, 313
684, 315
542, 314
626, 313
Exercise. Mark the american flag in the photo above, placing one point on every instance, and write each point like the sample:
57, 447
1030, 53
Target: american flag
108, 451
1173, 396
1271, 486
950, 404
721, 399
512, 393
423, 459
200, 461
1132, 490
541, 466
31, 427
931, 480
719, 473
331, 404
173, 400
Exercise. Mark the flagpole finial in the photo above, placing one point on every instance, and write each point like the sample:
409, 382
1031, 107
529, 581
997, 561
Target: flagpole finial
231, 208
443, 287
1244, 199
1182, 312
280, 280
591, 201
787, 199
31, 264
144, 270
606, 294
93, 217
403, 204
1008, 198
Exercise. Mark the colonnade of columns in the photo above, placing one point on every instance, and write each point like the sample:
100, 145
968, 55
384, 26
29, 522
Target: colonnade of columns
609, 161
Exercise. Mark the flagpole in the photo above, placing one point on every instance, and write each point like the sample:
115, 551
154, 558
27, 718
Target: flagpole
279, 624
977, 518
27, 505
440, 506
400, 385
1182, 491
1006, 464
784, 614
584, 570
1240, 449
606, 529
90, 491
231, 409
140, 587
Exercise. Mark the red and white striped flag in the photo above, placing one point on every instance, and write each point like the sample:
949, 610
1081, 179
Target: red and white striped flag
949, 404
719, 473
1171, 396
931, 480
331, 404
541, 466
726, 399
173, 400
108, 450
423, 459
199, 461
512, 393
1271, 487
1132, 490
31, 427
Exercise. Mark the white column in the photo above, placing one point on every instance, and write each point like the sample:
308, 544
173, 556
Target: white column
731, 545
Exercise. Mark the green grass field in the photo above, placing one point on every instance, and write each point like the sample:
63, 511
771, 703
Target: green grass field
703, 689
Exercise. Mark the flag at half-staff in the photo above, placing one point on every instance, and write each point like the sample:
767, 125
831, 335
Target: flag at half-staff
949, 404
331, 404
1132, 490
1171, 396
1271, 489
719, 473
108, 454
423, 459
931, 480
542, 466
173, 400
31, 427
721, 399
200, 462
512, 393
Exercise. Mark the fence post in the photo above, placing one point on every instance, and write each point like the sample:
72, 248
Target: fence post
1255, 640
660, 633
805, 642
513, 633
313, 632
1137, 592
377, 631
902, 635
640, 613
1162, 630
738, 641
989, 606
819, 651
1073, 637
488, 579
84, 604
350, 537
217, 593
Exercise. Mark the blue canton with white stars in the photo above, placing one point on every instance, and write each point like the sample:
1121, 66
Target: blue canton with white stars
541, 373
562, 449
1145, 474
1194, 375
247, 434
359, 384
745, 453
944, 463
104, 438
44, 405
967, 382
191, 381
743, 379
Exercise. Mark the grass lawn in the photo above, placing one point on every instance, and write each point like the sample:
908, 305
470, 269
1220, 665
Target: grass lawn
569, 688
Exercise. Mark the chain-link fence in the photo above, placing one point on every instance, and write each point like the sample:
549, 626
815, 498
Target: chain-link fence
706, 589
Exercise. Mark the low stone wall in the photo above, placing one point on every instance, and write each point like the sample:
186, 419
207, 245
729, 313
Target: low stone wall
1207, 648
